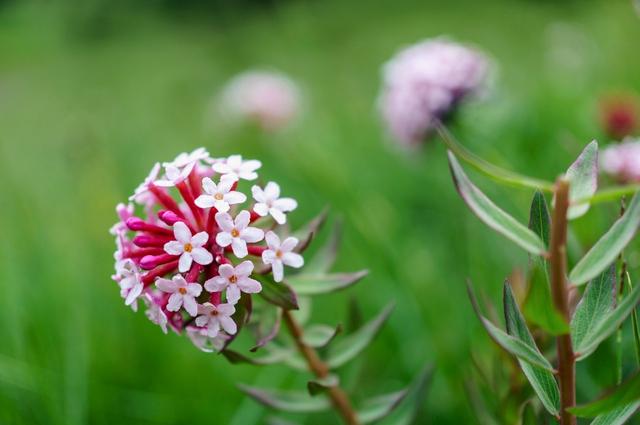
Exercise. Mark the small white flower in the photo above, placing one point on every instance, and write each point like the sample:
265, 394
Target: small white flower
280, 255
182, 293
142, 195
188, 248
237, 233
204, 342
128, 278
174, 175
269, 202
155, 313
124, 212
220, 196
185, 159
234, 280
216, 317
236, 167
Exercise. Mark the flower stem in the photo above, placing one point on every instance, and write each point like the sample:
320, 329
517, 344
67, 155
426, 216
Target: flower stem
560, 293
337, 395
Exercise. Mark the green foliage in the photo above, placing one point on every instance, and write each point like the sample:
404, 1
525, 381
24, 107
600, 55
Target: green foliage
374, 409
617, 416
618, 398
277, 293
305, 284
319, 386
583, 180
605, 251
287, 401
491, 214
318, 336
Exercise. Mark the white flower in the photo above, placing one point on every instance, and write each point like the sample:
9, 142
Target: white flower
174, 175
185, 159
128, 278
280, 254
188, 248
220, 196
269, 202
182, 293
155, 313
142, 195
204, 342
216, 317
234, 280
236, 233
124, 212
236, 167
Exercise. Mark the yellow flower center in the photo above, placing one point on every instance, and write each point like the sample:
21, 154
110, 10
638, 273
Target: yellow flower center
233, 279
182, 290
219, 196
235, 233
214, 313
279, 253
188, 247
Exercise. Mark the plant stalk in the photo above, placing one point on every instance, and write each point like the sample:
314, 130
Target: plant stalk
560, 293
339, 398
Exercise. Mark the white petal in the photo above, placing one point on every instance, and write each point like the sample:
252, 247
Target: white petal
250, 286
216, 284
278, 215
242, 219
278, 271
175, 302
202, 256
268, 256
228, 325
272, 191
224, 220
258, 194
226, 309
182, 232
226, 270
244, 269
185, 262
190, 305
261, 209
239, 247
194, 289
221, 168
213, 328
293, 260
166, 285
221, 205
134, 293
200, 239
252, 234
233, 294
273, 241
224, 239
202, 320
205, 201
289, 244
285, 204
174, 248
209, 186
235, 198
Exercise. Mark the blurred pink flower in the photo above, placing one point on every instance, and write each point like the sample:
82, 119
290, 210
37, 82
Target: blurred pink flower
270, 99
425, 82
622, 161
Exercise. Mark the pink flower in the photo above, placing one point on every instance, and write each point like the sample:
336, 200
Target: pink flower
622, 161
182, 294
128, 277
235, 280
215, 317
237, 233
236, 168
268, 201
270, 99
280, 254
189, 248
220, 196
425, 82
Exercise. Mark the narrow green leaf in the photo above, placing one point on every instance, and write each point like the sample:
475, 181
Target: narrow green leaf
539, 218
379, 407
273, 357
509, 343
279, 294
542, 380
308, 232
318, 385
348, 347
491, 214
597, 301
305, 284
634, 322
409, 408
323, 259
607, 325
626, 393
288, 401
318, 336
538, 307
265, 336
583, 179
605, 251
617, 416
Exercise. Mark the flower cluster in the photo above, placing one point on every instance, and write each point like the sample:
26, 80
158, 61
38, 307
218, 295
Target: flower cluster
622, 161
196, 244
270, 99
424, 82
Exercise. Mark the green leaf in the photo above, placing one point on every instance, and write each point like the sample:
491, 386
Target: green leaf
350, 346
538, 306
318, 336
583, 180
273, 357
305, 284
320, 385
377, 408
542, 381
606, 325
509, 343
539, 218
617, 416
308, 232
272, 327
527, 415
597, 301
323, 259
288, 401
634, 322
279, 294
605, 251
491, 214
409, 408
628, 392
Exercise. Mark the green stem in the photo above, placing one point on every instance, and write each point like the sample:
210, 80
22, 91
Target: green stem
609, 194
493, 171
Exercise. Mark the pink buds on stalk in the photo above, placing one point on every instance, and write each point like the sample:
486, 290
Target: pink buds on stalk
191, 246
426, 82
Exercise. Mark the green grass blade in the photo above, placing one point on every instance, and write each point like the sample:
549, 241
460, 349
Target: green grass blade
626, 393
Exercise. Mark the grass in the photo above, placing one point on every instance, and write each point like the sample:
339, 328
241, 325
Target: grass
87, 105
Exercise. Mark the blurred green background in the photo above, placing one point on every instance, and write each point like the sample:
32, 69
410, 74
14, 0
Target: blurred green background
93, 93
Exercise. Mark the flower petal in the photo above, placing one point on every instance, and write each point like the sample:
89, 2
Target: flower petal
224, 220
228, 325
258, 193
224, 239
289, 243
182, 232
250, 286
239, 247
213, 328
190, 305
252, 234
174, 248
185, 262
285, 204
202, 256
235, 198
166, 285
292, 259
209, 186
244, 269
200, 239
194, 289
261, 209
272, 191
233, 294
175, 302
226, 270
278, 215
242, 219
216, 284
273, 241
268, 256
278, 272
205, 201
